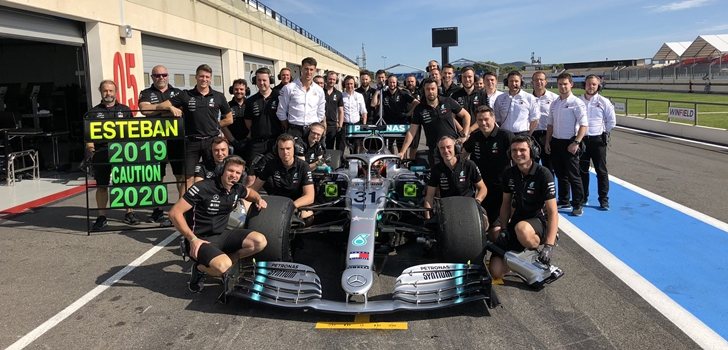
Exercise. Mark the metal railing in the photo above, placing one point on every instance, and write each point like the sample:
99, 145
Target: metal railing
295, 27
706, 113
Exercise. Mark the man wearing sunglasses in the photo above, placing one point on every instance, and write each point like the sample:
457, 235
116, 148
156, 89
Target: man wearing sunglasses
158, 92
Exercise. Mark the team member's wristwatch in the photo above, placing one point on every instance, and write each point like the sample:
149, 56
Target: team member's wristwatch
577, 142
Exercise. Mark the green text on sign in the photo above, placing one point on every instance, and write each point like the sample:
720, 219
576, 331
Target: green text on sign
137, 152
138, 196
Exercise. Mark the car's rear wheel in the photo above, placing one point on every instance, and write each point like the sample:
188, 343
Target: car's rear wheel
462, 229
274, 222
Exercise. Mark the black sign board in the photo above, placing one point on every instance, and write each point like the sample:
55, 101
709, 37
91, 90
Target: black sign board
444, 37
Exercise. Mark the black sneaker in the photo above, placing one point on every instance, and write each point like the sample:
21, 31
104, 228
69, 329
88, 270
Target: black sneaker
578, 211
563, 205
197, 280
157, 215
100, 223
131, 219
604, 205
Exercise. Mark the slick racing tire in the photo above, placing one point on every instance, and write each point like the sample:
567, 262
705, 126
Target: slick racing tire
274, 222
461, 236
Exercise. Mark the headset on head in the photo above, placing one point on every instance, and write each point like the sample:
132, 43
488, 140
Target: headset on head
247, 89
533, 148
219, 170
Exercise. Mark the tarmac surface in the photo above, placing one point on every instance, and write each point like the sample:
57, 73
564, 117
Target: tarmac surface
49, 263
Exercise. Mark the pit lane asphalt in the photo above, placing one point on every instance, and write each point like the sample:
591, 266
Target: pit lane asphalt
48, 263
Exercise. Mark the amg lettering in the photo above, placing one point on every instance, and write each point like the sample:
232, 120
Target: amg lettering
434, 275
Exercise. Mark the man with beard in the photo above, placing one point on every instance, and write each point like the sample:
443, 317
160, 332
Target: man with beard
398, 105
448, 80
410, 86
453, 176
237, 132
365, 79
261, 118
334, 108
161, 91
479, 83
205, 111
302, 102
490, 84
528, 190
437, 118
99, 153
488, 148
516, 111
287, 175
545, 98
468, 97
284, 77
211, 164
601, 118
381, 87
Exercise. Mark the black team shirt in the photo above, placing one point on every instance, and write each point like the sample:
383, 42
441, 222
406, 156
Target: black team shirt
201, 113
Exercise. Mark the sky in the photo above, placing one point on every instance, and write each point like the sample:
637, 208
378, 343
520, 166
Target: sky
504, 31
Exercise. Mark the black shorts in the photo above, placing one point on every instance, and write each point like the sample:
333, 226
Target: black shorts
101, 167
538, 224
187, 154
227, 242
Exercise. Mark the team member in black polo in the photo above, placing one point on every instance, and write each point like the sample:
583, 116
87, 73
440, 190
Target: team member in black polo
410, 86
310, 148
201, 218
454, 176
205, 111
488, 148
397, 104
287, 175
365, 79
260, 117
237, 132
448, 80
158, 92
99, 152
212, 163
437, 117
529, 188
334, 108
468, 96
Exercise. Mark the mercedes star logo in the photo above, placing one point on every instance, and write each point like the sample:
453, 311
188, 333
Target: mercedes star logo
356, 280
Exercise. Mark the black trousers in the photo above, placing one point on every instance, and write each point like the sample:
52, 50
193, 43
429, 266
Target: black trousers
331, 135
566, 166
596, 153
540, 137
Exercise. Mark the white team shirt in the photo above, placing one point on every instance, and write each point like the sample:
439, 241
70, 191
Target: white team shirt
354, 107
544, 105
600, 114
566, 116
491, 98
514, 113
301, 107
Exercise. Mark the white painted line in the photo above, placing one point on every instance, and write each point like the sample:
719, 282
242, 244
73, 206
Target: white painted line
674, 205
703, 335
672, 137
68, 311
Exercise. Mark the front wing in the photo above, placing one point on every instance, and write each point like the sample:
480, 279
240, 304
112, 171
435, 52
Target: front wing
421, 287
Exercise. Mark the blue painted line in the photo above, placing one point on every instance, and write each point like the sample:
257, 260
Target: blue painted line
682, 256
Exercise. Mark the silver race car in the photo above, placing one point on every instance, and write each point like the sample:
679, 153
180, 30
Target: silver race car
375, 200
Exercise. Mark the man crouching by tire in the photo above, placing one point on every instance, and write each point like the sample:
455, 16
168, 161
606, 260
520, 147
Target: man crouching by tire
528, 189
213, 248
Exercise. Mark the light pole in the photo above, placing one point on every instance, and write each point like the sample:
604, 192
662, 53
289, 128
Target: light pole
385, 62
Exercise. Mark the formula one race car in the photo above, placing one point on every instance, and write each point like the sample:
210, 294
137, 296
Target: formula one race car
377, 202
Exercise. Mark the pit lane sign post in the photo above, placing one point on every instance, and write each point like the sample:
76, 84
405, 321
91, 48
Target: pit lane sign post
137, 151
